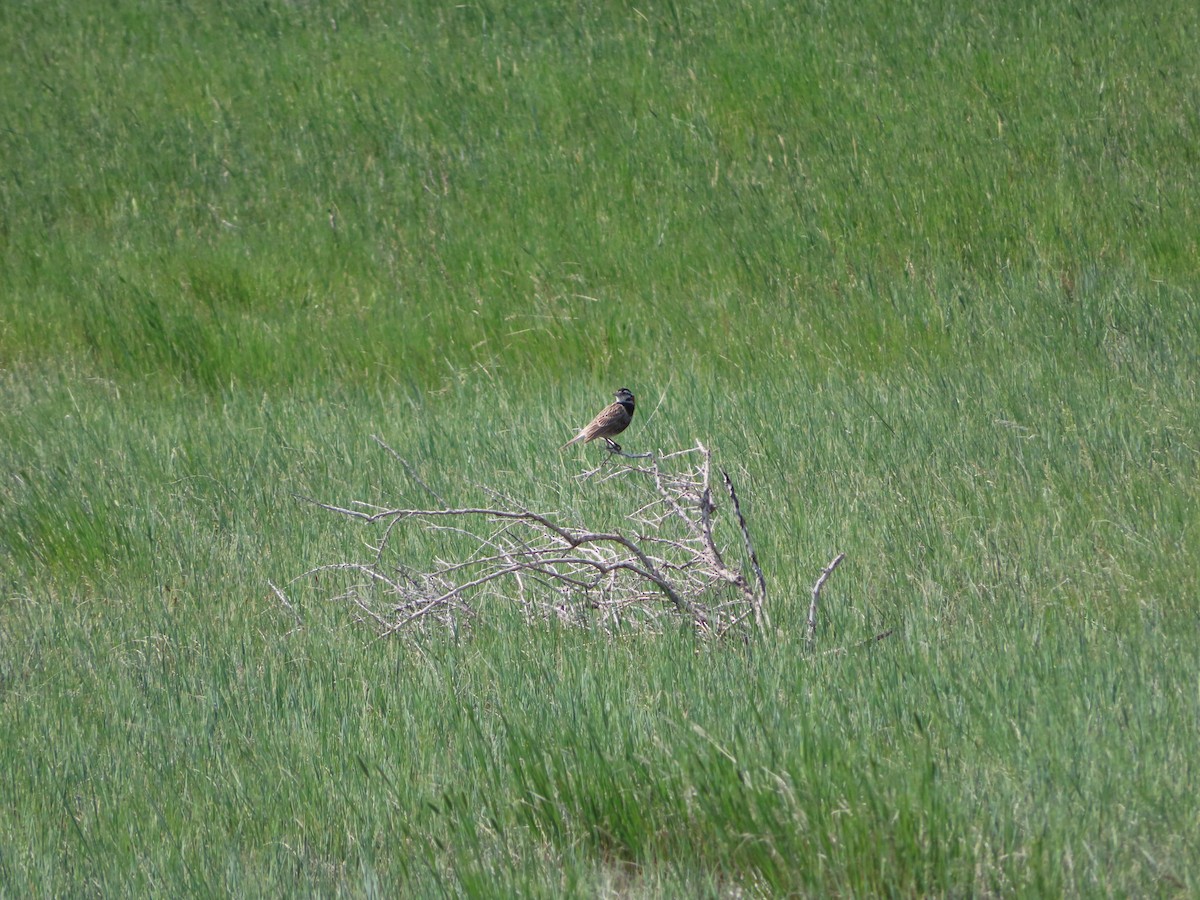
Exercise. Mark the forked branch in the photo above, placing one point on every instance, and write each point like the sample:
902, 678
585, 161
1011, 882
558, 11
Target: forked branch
816, 596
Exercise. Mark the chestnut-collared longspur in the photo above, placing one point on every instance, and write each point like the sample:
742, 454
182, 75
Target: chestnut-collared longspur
612, 420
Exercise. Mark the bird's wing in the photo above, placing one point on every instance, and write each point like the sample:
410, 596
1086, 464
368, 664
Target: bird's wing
612, 416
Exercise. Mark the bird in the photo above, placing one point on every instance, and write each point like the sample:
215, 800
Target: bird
613, 419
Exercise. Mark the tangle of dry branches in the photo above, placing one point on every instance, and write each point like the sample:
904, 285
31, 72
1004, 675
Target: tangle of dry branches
664, 563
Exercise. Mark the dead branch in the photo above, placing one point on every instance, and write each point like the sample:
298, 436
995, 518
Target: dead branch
667, 560
816, 595
412, 473
760, 613
869, 642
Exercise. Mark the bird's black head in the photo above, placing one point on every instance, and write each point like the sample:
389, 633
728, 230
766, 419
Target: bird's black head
625, 398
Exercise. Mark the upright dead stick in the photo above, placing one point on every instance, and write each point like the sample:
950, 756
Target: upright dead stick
816, 596
760, 613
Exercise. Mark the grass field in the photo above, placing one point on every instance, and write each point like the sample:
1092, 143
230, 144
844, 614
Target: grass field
923, 276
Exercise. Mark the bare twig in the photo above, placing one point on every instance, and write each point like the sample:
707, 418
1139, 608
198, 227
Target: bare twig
412, 473
613, 451
816, 595
874, 639
760, 613
285, 602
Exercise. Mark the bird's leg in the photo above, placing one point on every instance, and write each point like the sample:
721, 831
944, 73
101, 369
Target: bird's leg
613, 446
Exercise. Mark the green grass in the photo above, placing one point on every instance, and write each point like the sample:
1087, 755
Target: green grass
922, 276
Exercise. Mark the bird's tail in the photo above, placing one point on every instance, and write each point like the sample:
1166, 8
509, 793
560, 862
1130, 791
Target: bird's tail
574, 440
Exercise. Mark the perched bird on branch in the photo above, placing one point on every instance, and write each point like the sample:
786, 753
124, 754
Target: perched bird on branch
612, 420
